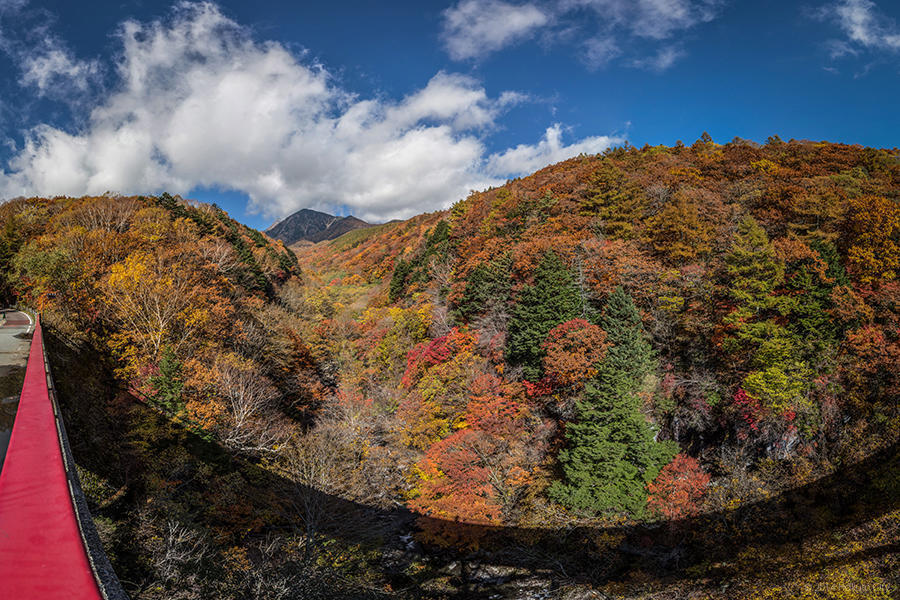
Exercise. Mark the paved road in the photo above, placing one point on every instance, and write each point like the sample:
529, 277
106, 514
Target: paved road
15, 341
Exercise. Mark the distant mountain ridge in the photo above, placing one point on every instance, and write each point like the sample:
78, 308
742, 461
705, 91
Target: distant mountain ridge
313, 226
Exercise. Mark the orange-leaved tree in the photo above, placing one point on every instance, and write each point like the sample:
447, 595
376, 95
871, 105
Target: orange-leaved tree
572, 351
678, 489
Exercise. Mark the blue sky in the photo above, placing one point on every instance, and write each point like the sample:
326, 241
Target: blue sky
390, 109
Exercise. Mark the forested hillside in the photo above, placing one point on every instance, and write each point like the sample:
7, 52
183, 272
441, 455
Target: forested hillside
178, 296
649, 373
180, 374
653, 333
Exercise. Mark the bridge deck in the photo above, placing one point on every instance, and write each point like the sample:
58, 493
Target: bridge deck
42, 554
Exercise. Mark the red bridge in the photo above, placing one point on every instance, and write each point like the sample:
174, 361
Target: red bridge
45, 528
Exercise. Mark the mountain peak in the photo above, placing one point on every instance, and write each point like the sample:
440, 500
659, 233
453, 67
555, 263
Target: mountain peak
313, 226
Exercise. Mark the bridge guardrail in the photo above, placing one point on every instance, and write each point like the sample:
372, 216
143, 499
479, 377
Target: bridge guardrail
107, 581
48, 551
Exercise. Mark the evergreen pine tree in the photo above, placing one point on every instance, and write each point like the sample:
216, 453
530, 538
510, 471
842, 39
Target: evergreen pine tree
553, 299
612, 454
436, 246
398, 280
810, 299
488, 286
631, 358
169, 383
752, 267
753, 273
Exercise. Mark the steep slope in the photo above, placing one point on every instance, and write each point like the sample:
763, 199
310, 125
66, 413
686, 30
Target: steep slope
313, 226
179, 370
654, 333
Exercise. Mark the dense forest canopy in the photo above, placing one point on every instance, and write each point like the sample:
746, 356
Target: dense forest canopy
647, 335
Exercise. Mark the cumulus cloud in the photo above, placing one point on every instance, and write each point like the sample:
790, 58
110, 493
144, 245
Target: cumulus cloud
863, 25
526, 158
199, 102
474, 28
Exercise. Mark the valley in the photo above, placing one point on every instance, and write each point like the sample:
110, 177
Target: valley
659, 372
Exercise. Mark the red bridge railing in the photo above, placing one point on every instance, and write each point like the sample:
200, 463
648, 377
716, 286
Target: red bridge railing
48, 547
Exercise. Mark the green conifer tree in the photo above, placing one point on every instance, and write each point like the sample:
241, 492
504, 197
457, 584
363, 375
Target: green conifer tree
398, 280
752, 273
752, 267
488, 285
810, 296
169, 383
771, 352
553, 299
611, 454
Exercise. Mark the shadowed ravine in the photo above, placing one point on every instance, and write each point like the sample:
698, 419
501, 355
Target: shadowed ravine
673, 551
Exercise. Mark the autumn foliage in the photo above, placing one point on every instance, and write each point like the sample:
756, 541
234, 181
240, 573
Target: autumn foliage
572, 351
534, 356
760, 276
677, 491
171, 290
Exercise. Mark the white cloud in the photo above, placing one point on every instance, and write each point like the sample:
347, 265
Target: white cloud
660, 19
655, 20
198, 102
857, 21
526, 158
52, 66
863, 25
840, 48
449, 97
474, 28
12, 6
663, 59
46, 64
598, 52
